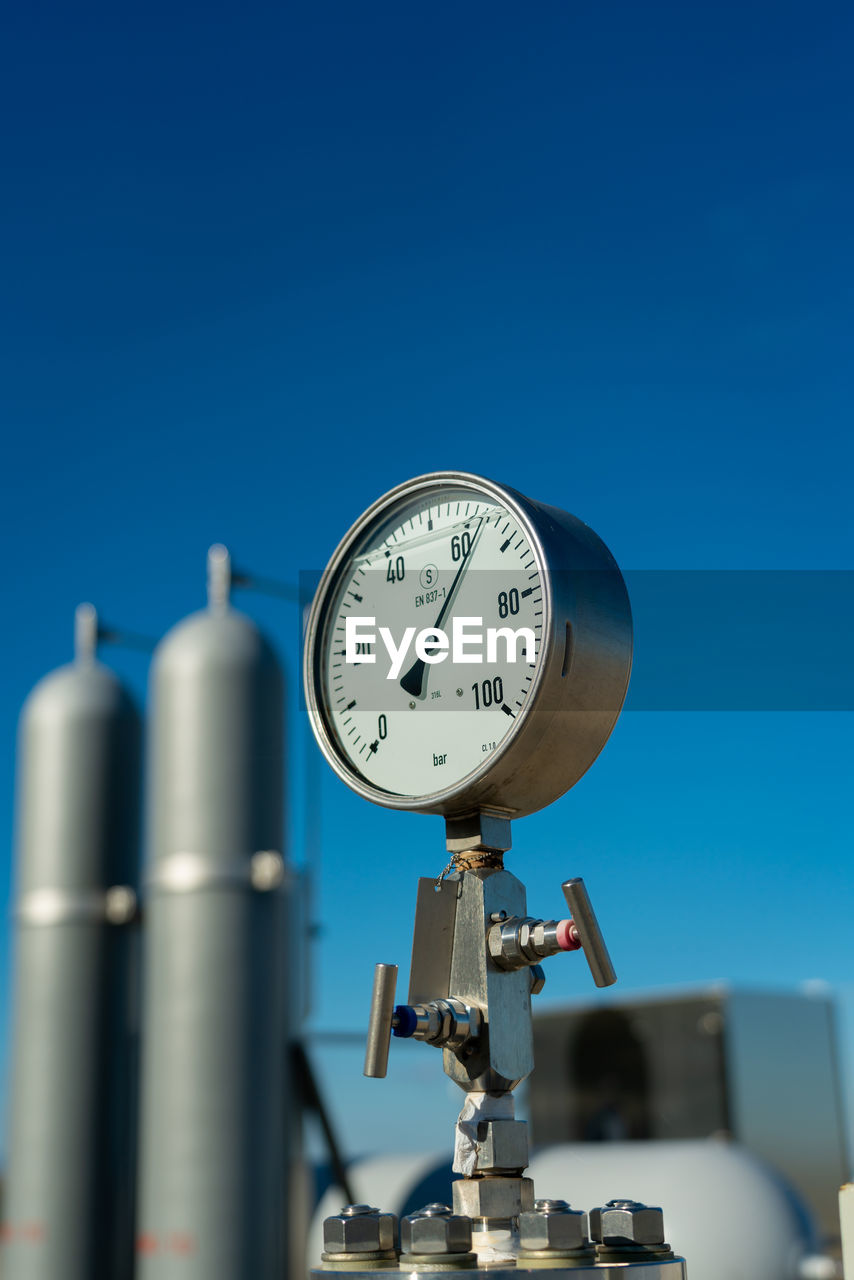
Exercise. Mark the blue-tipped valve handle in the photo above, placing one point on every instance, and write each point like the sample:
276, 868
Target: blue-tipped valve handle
381, 1019
447, 1023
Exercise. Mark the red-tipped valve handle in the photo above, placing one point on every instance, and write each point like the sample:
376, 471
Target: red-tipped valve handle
586, 926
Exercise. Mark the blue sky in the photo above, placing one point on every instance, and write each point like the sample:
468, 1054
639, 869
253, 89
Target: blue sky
263, 263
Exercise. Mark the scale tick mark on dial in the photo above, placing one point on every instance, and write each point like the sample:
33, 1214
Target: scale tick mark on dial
504, 545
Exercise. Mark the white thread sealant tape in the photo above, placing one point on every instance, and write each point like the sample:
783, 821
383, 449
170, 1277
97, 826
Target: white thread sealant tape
477, 1108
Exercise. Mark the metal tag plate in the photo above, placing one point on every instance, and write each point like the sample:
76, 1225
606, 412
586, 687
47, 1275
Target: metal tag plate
433, 940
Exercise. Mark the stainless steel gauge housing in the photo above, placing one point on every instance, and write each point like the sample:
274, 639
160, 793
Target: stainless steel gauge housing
411, 721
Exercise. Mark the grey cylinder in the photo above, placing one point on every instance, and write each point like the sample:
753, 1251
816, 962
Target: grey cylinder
69, 1183
212, 1182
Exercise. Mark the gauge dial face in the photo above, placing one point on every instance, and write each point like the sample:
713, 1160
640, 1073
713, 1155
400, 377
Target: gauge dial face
430, 639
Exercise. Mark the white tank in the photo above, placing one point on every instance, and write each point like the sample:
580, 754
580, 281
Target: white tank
729, 1216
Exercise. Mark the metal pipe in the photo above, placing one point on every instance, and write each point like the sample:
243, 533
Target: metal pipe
85, 633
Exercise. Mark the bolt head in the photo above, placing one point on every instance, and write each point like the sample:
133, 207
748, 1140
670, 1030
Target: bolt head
359, 1228
120, 904
266, 870
552, 1224
627, 1222
538, 979
435, 1229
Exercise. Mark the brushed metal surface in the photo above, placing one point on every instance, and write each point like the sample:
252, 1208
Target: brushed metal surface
504, 1053
671, 1269
433, 940
587, 927
379, 1025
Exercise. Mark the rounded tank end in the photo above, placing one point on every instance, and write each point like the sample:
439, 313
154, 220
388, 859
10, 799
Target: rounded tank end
81, 688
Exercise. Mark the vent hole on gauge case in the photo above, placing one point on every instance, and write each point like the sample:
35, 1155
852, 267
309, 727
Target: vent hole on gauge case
567, 651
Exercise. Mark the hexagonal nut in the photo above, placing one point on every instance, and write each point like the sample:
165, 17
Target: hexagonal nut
435, 1229
493, 1197
538, 979
359, 1229
552, 1224
502, 1144
627, 1222
494, 944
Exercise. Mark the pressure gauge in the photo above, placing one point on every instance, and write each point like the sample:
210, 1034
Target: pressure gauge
467, 648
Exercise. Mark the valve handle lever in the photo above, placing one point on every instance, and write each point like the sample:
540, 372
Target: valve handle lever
380, 1022
589, 933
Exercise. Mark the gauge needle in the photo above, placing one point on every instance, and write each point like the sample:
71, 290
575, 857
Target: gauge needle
412, 681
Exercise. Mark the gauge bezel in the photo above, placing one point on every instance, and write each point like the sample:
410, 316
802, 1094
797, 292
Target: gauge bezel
536, 760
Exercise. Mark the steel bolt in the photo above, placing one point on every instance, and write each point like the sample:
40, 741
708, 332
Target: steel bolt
553, 1226
359, 1228
627, 1222
538, 979
435, 1229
